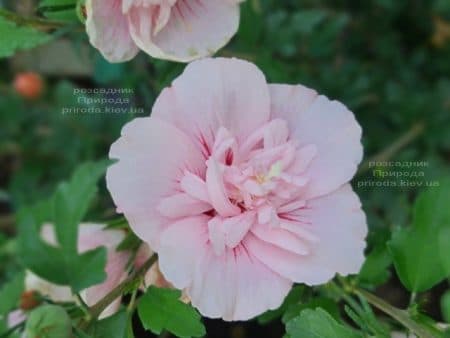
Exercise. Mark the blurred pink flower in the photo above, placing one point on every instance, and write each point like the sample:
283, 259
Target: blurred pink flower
179, 30
90, 236
15, 318
242, 187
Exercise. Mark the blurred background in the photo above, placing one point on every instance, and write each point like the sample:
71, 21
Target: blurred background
62, 104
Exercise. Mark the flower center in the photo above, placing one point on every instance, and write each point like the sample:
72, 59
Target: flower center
248, 183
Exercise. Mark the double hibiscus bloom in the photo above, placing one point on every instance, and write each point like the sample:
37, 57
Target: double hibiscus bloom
241, 187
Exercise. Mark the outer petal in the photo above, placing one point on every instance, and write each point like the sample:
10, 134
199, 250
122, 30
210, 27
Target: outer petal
108, 30
233, 286
214, 93
152, 158
328, 125
195, 29
340, 226
182, 244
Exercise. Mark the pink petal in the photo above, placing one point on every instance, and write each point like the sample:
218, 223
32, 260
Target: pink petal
195, 28
339, 223
144, 252
328, 125
281, 238
92, 236
229, 232
303, 158
266, 214
182, 205
286, 263
235, 286
237, 227
155, 277
216, 233
276, 133
288, 101
15, 317
216, 190
194, 186
108, 30
182, 244
116, 273
153, 155
214, 93
57, 293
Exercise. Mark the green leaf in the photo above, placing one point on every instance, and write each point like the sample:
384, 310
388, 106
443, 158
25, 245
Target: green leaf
115, 326
3, 325
327, 304
444, 248
415, 250
130, 243
160, 309
71, 202
375, 270
318, 324
63, 265
10, 294
62, 10
445, 305
18, 37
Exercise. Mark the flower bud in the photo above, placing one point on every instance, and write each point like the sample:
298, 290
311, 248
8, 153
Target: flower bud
48, 321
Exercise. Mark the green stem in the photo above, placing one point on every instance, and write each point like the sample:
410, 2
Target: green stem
44, 9
12, 330
132, 303
102, 304
412, 298
83, 305
37, 23
401, 316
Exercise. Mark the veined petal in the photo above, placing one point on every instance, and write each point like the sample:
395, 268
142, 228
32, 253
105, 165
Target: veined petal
112, 40
223, 90
153, 156
194, 28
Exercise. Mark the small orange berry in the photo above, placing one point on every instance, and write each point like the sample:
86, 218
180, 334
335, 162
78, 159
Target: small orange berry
29, 85
29, 300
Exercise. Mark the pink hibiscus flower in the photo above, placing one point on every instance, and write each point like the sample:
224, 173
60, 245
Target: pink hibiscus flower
179, 30
242, 187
